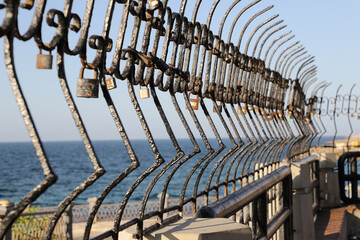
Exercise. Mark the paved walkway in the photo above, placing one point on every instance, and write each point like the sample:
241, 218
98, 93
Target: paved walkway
97, 229
331, 224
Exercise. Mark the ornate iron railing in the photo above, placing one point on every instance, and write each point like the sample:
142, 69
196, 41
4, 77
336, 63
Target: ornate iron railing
31, 226
258, 95
266, 204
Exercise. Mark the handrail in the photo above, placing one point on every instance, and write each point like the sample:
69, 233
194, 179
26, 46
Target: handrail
230, 204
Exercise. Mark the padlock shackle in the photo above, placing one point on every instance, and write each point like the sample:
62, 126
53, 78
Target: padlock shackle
81, 74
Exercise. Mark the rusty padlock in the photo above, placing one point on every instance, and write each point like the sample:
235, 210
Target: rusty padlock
87, 87
44, 61
194, 102
144, 92
110, 83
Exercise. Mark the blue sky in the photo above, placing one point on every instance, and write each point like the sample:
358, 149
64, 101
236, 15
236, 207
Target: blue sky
328, 29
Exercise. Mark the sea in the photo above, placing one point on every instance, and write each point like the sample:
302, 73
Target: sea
20, 170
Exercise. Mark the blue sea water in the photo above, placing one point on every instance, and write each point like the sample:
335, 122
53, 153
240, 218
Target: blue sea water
20, 169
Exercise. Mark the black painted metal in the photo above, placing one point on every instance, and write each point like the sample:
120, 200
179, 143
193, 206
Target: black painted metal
191, 61
349, 177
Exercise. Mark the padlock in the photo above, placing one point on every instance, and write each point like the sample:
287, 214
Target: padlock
87, 87
27, 5
144, 92
194, 102
352, 115
243, 109
44, 61
110, 83
289, 118
153, 4
29, 2
358, 117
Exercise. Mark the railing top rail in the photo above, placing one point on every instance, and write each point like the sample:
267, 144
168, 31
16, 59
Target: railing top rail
309, 159
228, 205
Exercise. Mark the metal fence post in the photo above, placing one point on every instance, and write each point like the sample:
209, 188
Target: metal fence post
260, 216
5, 207
68, 220
91, 202
287, 202
166, 203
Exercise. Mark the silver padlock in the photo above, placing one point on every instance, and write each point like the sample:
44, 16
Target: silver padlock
144, 92
44, 61
87, 87
110, 83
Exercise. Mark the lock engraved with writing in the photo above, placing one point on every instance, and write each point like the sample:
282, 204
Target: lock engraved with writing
194, 102
87, 87
44, 61
110, 83
144, 92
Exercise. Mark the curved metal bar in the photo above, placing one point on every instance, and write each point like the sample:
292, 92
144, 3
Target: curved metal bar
315, 111
232, 72
265, 31
49, 175
306, 76
277, 39
235, 19
285, 50
308, 84
249, 21
277, 47
220, 79
81, 128
292, 60
269, 35
306, 71
349, 115
307, 62
320, 113
256, 29
292, 68
334, 115
158, 158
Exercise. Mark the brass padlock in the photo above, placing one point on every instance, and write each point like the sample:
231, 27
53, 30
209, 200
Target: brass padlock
44, 61
289, 118
144, 92
241, 109
87, 87
268, 118
194, 102
110, 83
27, 5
